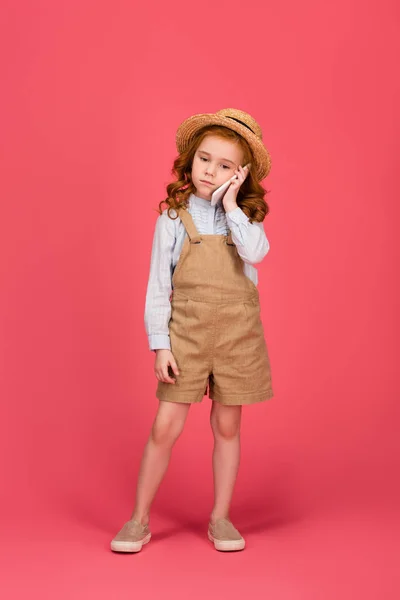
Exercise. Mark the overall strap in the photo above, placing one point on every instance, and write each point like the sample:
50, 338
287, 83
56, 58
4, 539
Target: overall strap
187, 220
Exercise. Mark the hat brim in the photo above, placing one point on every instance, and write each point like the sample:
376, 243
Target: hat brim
190, 126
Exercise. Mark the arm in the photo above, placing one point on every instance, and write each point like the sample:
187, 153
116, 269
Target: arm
250, 239
158, 307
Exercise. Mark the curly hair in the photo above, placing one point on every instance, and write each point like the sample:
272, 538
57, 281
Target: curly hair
251, 194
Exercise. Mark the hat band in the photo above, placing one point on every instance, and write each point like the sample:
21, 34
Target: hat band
241, 122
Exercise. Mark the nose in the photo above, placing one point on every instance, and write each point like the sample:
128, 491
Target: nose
210, 170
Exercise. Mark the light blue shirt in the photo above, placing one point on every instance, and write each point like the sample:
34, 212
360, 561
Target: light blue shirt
250, 240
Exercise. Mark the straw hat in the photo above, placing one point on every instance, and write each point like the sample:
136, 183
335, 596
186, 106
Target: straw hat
235, 119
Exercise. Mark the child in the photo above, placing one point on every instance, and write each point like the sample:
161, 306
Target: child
209, 334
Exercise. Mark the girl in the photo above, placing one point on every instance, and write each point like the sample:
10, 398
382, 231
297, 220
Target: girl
209, 334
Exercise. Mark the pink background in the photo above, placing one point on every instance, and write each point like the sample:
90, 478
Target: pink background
92, 94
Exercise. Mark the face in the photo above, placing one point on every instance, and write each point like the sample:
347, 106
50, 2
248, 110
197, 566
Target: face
215, 161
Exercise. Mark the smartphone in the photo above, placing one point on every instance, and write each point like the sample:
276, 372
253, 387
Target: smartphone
219, 192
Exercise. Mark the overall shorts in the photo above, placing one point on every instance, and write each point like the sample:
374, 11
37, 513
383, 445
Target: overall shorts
216, 333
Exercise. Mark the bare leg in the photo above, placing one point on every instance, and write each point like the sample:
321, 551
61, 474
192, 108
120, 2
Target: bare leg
167, 427
225, 424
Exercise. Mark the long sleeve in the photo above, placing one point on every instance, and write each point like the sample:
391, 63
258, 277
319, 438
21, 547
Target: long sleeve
158, 306
250, 239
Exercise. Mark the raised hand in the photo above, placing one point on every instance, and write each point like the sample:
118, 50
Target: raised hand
229, 198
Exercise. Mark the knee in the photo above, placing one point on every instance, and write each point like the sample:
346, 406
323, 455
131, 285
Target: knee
225, 428
166, 431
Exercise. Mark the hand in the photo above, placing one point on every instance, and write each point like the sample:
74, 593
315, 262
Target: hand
165, 358
229, 198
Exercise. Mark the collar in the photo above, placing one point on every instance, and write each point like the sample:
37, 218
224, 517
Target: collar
202, 202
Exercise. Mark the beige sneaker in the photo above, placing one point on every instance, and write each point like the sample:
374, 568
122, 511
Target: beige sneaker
225, 536
131, 537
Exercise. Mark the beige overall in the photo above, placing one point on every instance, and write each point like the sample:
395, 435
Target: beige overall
216, 333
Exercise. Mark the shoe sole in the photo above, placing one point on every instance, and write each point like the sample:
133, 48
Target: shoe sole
130, 546
227, 545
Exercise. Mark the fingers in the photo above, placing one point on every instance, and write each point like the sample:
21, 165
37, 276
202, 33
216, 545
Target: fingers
244, 171
162, 373
174, 367
241, 176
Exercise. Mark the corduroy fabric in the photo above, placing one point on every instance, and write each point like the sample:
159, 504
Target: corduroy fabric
217, 337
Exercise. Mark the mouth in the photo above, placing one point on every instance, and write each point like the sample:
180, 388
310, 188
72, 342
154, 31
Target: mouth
206, 182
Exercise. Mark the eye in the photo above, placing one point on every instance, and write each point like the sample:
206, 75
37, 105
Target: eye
206, 159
